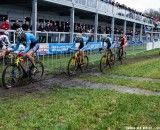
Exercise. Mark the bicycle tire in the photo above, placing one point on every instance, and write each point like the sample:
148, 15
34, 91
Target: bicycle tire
120, 55
14, 77
112, 59
72, 66
85, 62
104, 63
36, 72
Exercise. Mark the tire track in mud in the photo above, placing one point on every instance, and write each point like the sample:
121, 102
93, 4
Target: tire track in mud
65, 82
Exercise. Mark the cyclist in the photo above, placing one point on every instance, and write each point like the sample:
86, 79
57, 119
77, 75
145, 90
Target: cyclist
5, 44
82, 40
30, 42
108, 41
123, 42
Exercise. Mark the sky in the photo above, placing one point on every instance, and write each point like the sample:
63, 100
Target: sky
141, 5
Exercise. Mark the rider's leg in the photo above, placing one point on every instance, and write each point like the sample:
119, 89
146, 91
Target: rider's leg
29, 55
82, 56
3, 54
31, 52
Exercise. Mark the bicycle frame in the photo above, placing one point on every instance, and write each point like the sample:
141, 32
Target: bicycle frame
18, 62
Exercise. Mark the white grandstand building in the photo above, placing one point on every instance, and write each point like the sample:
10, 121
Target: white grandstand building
100, 17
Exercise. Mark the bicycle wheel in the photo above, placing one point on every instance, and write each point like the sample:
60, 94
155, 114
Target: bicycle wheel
36, 72
104, 63
72, 66
11, 75
120, 55
85, 62
112, 59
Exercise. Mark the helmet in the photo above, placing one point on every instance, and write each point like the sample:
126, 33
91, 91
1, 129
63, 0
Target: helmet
19, 32
6, 33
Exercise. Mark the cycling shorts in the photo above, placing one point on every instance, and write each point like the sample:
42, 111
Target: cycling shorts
81, 45
34, 46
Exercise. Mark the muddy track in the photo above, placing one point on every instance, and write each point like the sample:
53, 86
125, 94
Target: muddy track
76, 83
63, 81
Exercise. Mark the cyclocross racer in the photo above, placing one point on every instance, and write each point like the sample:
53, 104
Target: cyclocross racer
108, 41
82, 41
123, 42
30, 42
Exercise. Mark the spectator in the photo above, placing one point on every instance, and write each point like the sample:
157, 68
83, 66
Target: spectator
16, 25
5, 24
46, 28
26, 26
41, 27
55, 27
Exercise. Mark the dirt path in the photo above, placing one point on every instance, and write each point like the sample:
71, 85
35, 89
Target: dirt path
130, 78
66, 82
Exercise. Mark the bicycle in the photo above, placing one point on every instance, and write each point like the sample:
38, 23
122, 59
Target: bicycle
107, 60
75, 63
16, 72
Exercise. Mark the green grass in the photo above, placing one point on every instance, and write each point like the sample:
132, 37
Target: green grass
70, 109
147, 85
149, 68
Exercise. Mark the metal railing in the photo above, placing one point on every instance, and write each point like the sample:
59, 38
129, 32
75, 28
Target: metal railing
64, 37
57, 61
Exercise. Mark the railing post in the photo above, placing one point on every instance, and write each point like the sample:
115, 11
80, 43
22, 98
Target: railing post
59, 37
34, 16
112, 27
47, 37
125, 25
141, 32
134, 30
95, 27
72, 15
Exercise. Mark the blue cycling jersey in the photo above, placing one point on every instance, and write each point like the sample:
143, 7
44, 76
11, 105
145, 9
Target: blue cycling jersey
29, 39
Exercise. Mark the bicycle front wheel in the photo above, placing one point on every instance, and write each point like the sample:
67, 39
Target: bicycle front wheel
11, 75
104, 63
72, 66
37, 71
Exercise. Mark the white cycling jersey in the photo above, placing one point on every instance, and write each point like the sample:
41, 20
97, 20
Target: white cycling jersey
4, 42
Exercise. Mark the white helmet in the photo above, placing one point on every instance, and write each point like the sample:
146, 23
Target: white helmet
19, 32
6, 33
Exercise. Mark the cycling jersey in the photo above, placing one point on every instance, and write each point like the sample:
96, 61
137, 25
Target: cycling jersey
4, 41
123, 41
30, 42
108, 41
82, 41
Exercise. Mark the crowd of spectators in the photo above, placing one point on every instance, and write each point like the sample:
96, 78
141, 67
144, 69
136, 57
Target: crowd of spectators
56, 26
132, 11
